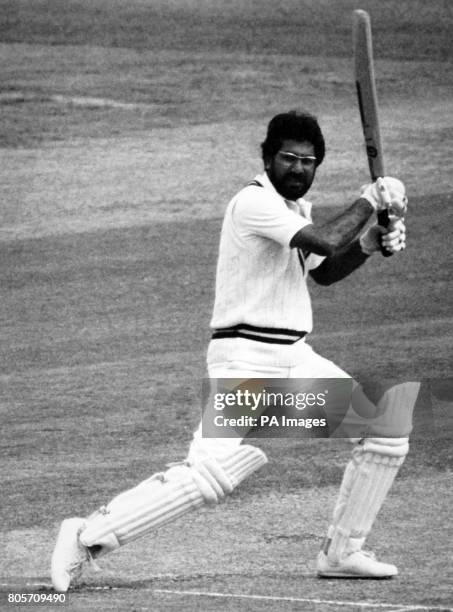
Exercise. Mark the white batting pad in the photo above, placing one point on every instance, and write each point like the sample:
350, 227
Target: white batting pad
396, 408
366, 482
242, 462
168, 495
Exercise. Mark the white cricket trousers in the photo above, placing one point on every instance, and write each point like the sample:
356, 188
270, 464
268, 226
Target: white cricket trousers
241, 358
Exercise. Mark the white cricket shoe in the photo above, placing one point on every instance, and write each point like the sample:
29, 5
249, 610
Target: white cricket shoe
360, 564
69, 554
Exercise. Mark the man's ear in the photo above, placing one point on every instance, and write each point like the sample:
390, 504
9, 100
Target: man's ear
267, 162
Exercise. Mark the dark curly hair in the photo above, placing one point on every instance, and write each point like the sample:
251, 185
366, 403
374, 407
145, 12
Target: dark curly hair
293, 125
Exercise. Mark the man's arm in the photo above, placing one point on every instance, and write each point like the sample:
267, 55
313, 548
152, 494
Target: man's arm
328, 239
340, 265
332, 237
345, 261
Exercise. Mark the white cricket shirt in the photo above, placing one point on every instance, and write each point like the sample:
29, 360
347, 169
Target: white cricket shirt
260, 280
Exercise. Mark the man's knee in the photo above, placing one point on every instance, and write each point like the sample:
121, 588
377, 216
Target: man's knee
391, 417
378, 448
219, 476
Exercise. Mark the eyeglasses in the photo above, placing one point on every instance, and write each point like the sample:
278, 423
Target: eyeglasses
289, 159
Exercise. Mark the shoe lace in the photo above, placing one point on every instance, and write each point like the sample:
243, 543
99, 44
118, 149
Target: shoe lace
76, 567
368, 553
85, 557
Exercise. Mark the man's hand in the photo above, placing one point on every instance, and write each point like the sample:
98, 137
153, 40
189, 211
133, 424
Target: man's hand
392, 238
386, 194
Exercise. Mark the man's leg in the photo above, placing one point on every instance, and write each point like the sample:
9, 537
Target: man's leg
212, 470
159, 500
366, 482
370, 473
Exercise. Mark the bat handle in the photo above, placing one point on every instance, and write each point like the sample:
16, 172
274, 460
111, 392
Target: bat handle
383, 215
384, 221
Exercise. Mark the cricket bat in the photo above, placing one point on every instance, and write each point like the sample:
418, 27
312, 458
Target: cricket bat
368, 103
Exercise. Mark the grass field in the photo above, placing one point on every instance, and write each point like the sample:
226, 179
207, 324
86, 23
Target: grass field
126, 127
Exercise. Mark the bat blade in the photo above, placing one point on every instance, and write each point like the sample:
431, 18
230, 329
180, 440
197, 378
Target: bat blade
366, 92
367, 99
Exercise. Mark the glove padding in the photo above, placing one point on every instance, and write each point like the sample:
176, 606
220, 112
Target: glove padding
386, 193
392, 238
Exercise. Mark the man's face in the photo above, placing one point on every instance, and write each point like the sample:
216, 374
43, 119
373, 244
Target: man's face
292, 177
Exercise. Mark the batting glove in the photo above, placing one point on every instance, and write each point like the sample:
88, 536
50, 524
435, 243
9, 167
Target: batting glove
386, 194
392, 238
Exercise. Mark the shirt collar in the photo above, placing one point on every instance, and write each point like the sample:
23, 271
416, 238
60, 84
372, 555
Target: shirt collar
266, 183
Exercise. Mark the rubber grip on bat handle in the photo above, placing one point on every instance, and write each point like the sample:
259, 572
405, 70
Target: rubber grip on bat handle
384, 221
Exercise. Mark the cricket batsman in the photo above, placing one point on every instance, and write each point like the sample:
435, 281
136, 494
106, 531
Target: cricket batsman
261, 322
